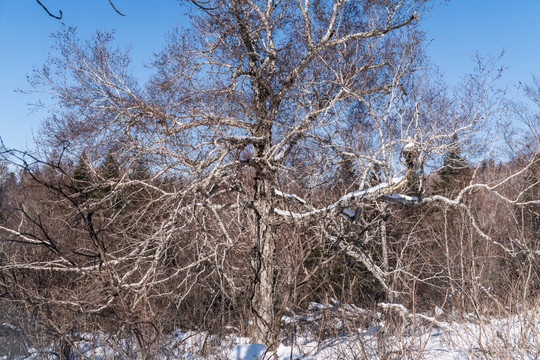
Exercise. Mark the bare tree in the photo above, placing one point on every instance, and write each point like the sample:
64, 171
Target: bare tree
252, 115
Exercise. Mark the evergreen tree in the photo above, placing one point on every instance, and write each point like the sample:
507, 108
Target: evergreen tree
82, 179
141, 170
81, 174
109, 176
109, 169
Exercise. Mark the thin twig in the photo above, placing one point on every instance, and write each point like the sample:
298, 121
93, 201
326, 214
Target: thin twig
115, 9
48, 12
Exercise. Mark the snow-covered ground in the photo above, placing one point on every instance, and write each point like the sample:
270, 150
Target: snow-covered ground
421, 336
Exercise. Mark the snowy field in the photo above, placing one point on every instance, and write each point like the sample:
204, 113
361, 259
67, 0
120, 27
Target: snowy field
420, 336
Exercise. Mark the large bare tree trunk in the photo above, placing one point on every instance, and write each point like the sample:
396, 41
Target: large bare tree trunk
262, 305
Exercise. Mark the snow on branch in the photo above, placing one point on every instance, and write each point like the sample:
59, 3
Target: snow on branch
400, 198
292, 196
372, 192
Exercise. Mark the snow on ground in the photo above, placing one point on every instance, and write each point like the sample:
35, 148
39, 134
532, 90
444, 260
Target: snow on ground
465, 337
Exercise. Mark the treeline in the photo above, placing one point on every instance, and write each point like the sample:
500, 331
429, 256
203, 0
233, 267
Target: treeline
92, 259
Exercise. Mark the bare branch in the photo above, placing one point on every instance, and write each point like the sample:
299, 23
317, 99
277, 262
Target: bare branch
115, 9
48, 12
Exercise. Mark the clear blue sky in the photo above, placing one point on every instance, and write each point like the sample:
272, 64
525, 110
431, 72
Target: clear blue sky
456, 30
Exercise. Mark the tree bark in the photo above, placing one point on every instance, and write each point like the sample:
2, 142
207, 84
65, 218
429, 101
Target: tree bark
262, 305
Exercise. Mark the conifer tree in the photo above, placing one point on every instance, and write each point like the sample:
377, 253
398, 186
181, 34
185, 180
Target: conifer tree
141, 170
82, 178
81, 174
109, 169
109, 176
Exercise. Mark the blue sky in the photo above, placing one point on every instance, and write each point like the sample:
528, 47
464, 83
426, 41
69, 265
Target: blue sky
456, 30
460, 28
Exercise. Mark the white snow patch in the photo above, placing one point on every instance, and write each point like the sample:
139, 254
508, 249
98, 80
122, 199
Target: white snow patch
248, 352
410, 146
349, 212
423, 337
